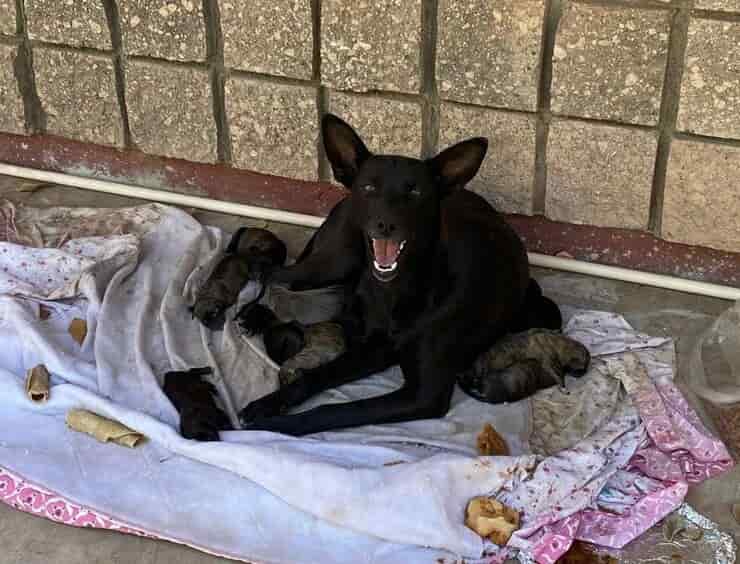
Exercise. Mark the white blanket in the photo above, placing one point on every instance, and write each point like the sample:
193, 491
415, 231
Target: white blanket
262, 497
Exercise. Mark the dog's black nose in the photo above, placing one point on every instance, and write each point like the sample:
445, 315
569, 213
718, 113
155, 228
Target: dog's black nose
386, 228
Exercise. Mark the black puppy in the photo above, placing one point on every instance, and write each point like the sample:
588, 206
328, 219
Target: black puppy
251, 253
195, 400
439, 278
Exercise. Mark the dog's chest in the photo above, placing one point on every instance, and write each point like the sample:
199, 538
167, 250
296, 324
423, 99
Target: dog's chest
388, 306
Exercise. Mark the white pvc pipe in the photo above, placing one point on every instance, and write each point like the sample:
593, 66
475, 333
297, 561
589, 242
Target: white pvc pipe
183, 200
279, 216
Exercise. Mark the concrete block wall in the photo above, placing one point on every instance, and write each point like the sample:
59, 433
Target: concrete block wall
612, 113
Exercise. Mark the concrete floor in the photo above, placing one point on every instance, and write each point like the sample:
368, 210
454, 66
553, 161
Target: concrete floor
30, 540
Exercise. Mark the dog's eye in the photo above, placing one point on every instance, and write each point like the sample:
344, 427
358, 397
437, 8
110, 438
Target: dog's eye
368, 188
413, 189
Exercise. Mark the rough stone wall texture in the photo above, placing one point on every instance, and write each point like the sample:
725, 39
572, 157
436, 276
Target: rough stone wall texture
703, 195
170, 110
621, 114
79, 23
172, 30
386, 126
371, 45
7, 17
710, 90
274, 127
609, 63
506, 177
11, 116
600, 174
489, 51
268, 37
77, 92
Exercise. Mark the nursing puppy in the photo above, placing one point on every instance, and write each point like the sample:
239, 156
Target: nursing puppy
292, 344
250, 254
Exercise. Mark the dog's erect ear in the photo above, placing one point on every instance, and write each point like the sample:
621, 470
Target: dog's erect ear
457, 165
344, 148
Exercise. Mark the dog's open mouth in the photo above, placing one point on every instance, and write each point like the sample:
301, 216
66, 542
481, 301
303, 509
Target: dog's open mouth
385, 257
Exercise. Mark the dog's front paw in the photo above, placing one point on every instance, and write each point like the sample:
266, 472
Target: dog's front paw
253, 319
276, 403
263, 408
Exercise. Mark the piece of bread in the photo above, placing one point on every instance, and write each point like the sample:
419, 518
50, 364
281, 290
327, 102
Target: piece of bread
491, 519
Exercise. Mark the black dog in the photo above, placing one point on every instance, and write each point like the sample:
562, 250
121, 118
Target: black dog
439, 278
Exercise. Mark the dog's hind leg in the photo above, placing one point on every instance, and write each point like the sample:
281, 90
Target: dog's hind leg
538, 311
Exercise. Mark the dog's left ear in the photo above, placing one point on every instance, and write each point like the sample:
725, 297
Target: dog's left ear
457, 165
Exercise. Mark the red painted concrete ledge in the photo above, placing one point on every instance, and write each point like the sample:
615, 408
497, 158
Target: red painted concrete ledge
618, 247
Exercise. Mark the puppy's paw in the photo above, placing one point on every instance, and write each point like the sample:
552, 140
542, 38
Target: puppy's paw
288, 375
254, 319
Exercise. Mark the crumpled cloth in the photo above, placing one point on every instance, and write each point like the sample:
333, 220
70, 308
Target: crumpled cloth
376, 493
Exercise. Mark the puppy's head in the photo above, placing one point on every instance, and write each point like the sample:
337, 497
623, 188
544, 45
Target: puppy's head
262, 250
211, 311
396, 200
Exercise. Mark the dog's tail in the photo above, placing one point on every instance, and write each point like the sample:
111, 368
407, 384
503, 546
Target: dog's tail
538, 311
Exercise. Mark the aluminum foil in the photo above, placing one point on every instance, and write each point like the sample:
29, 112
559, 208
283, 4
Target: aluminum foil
685, 537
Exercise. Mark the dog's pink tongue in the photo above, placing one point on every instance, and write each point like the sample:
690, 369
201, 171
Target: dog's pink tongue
385, 251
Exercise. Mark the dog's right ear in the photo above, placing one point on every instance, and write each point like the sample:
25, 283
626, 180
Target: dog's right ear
457, 165
344, 148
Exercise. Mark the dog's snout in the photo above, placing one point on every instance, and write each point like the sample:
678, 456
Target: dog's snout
385, 227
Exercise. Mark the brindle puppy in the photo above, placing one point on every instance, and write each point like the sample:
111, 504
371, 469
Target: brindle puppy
519, 365
294, 345
251, 253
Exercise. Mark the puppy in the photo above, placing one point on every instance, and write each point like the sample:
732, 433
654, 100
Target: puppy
196, 401
250, 255
519, 365
293, 345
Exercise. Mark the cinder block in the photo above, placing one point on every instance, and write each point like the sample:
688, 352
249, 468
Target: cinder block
702, 198
273, 127
11, 116
166, 29
719, 5
710, 89
506, 178
80, 23
7, 17
609, 63
268, 36
386, 126
489, 51
170, 110
600, 174
371, 45
78, 94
